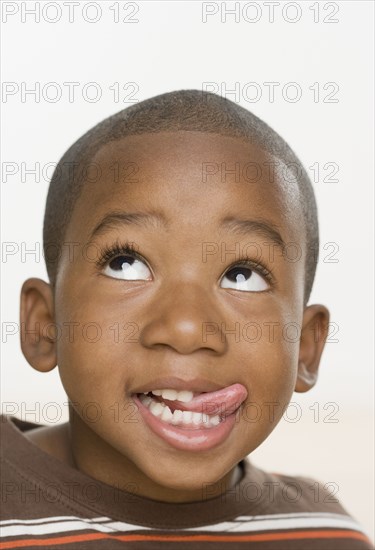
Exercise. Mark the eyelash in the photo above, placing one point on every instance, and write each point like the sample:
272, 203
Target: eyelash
108, 253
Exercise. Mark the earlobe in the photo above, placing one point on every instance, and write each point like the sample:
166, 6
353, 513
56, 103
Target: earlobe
37, 324
313, 336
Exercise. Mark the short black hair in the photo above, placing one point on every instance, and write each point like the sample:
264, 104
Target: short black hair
194, 110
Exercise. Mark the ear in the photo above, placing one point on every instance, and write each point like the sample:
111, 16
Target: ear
313, 336
38, 342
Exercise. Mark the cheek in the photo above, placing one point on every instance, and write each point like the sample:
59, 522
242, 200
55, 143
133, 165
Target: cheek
269, 357
92, 351
269, 369
272, 365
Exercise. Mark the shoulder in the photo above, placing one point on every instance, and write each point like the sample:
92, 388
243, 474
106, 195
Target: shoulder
287, 493
8, 421
53, 440
301, 507
33, 470
308, 494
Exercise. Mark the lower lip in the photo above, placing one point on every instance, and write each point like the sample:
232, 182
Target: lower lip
184, 439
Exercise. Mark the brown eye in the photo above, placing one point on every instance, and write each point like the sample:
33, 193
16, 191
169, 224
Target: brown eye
245, 279
127, 268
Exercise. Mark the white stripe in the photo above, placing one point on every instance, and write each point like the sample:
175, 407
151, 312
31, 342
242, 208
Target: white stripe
104, 518
49, 519
287, 523
292, 515
241, 524
61, 527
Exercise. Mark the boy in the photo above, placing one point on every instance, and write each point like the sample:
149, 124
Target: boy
166, 238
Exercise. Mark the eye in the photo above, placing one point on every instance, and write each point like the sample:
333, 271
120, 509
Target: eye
127, 268
244, 278
124, 263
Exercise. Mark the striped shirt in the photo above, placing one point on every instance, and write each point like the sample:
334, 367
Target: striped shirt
47, 503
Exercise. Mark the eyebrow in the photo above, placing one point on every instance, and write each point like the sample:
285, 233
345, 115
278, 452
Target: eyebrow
114, 220
156, 219
263, 228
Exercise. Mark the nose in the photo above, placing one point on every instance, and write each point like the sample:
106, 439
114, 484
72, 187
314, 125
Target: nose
184, 318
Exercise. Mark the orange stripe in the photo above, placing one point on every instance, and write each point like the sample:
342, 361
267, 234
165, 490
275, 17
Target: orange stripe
189, 538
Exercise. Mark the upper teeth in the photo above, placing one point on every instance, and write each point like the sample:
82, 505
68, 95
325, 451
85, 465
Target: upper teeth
173, 395
177, 417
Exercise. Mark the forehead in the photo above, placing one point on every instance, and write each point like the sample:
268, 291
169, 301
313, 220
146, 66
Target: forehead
192, 177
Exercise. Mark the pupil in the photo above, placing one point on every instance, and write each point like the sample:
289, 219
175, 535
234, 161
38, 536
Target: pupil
118, 262
237, 274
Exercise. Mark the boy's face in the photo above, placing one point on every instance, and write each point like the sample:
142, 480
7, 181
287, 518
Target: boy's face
179, 310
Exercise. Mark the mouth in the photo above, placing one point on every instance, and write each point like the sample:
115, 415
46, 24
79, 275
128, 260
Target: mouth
187, 425
177, 413
193, 410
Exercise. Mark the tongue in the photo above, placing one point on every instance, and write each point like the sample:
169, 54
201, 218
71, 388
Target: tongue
223, 402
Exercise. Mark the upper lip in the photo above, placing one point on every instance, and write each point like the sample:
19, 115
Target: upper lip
198, 385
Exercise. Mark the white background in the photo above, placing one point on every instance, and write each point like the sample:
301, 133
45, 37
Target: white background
170, 48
